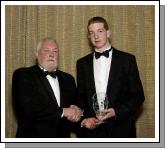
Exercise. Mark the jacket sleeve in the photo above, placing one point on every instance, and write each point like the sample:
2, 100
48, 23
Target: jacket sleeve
135, 94
30, 103
80, 85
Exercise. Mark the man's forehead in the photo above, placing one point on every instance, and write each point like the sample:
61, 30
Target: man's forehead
96, 29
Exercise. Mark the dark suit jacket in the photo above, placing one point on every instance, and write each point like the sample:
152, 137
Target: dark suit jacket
38, 113
124, 92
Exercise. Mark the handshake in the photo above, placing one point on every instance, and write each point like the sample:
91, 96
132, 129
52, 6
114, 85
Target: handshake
73, 113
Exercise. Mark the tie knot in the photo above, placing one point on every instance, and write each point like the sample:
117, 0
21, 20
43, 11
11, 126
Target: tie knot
105, 53
51, 73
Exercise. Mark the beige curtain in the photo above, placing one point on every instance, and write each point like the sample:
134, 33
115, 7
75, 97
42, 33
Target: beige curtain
132, 31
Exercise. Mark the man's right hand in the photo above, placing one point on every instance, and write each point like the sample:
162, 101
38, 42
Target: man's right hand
72, 113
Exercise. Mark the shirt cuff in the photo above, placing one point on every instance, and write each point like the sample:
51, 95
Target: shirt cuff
62, 114
82, 123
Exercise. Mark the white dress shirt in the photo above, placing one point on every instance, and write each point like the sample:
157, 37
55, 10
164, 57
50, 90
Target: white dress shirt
101, 72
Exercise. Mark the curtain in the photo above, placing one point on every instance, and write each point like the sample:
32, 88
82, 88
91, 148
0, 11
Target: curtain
132, 30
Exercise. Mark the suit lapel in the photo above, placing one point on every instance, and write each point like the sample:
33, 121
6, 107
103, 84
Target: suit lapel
49, 90
60, 86
113, 71
46, 85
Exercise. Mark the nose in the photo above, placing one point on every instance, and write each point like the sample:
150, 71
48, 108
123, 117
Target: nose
96, 36
51, 54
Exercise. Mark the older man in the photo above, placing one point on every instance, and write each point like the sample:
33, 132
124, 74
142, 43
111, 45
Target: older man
44, 96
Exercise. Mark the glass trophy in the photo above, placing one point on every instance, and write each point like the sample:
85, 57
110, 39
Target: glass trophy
100, 102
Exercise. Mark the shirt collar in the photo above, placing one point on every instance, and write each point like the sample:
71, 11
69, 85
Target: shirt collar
104, 49
42, 68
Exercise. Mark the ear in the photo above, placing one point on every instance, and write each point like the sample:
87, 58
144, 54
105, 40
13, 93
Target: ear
108, 33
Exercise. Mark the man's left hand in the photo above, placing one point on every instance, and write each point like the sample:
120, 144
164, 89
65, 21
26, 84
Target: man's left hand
108, 114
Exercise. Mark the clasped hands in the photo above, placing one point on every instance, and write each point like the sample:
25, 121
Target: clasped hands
93, 122
73, 113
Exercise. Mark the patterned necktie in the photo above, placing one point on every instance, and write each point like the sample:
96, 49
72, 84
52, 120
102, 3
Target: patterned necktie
105, 53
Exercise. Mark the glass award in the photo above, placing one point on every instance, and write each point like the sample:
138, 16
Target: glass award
100, 102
